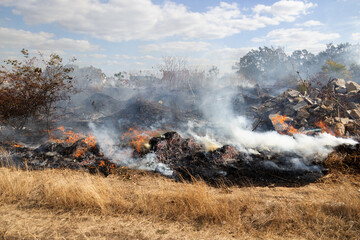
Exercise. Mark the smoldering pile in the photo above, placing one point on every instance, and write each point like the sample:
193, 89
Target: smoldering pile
334, 108
188, 159
56, 155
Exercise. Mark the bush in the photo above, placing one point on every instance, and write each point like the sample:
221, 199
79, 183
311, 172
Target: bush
31, 87
335, 70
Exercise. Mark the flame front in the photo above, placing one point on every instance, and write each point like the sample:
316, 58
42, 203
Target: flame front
72, 137
90, 142
283, 127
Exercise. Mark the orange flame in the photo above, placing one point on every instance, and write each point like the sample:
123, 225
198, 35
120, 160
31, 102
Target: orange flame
72, 137
138, 138
282, 127
17, 145
101, 164
279, 119
325, 128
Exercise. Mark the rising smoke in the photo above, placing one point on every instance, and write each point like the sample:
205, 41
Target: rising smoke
221, 125
109, 143
216, 122
227, 127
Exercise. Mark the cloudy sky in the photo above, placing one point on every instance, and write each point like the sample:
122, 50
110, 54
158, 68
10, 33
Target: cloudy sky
132, 35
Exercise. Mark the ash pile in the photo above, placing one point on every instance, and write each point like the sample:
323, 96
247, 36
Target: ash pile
334, 108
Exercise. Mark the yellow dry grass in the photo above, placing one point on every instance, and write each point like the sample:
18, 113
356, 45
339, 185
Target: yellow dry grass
326, 210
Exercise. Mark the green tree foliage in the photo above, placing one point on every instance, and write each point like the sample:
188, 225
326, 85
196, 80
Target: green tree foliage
30, 88
267, 65
273, 66
335, 70
304, 62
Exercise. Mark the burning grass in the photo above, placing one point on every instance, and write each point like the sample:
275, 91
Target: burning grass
328, 209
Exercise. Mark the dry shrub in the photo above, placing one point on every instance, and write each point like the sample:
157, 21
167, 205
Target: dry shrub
31, 87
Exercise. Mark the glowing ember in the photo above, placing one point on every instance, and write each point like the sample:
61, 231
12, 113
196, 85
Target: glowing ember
90, 140
97, 164
17, 145
139, 139
79, 152
281, 126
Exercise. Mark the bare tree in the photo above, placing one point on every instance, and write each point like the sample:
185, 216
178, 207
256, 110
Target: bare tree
175, 71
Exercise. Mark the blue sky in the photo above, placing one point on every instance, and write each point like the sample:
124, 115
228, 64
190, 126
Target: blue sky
123, 35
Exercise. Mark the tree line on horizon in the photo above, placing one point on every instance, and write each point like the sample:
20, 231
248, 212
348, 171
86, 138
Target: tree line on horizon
273, 66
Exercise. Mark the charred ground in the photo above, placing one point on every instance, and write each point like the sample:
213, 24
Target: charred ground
336, 105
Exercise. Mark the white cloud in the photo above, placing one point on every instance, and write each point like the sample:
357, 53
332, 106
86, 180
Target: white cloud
98, 56
178, 46
133, 57
284, 10
119, 20
310, 23
40, 41
298, 38
356, 36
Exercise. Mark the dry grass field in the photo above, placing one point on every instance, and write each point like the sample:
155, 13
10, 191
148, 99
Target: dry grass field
66, 204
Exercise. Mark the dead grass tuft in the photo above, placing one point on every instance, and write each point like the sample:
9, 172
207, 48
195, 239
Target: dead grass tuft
345, 159
343, 162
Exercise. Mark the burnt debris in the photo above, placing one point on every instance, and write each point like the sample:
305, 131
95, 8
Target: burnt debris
52, 155
334, 108
188, 160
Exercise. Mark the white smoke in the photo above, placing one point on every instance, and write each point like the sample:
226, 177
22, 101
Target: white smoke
241, 136
296, 163
225, 127
109, 144
235, 131
232, 129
